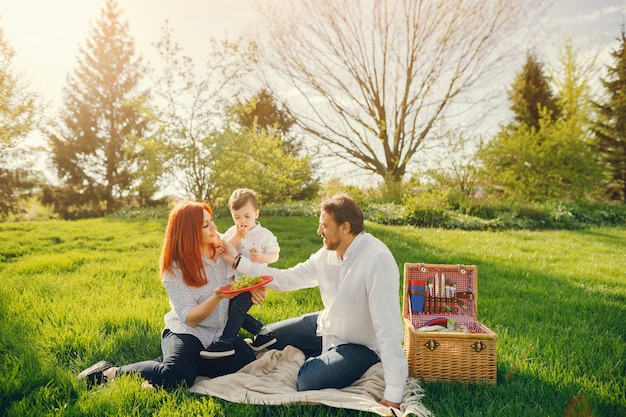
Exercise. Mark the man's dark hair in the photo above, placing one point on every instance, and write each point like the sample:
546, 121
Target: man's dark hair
344, 209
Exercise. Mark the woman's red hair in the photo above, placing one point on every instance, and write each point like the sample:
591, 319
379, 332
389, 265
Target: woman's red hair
181, 247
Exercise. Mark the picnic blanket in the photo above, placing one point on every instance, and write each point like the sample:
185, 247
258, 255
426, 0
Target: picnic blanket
271, 380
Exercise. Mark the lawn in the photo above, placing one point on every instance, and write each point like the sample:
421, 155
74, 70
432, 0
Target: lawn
77, 292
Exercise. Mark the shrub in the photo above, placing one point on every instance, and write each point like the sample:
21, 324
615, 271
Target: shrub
437, 208
427, 209
390, 213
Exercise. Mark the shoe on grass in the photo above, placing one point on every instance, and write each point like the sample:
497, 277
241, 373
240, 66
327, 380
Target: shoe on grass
94, 374
261, 341
218, 349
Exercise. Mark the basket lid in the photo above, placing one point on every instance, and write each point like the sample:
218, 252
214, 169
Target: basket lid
464, 278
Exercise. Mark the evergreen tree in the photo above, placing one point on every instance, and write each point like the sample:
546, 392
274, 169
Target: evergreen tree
103, 110
531, 93
611, 127
262, 112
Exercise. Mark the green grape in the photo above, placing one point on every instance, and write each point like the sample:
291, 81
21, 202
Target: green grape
245, 281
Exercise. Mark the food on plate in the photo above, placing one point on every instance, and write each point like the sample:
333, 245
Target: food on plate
245, 281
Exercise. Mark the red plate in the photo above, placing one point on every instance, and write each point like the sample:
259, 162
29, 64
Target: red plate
266, 278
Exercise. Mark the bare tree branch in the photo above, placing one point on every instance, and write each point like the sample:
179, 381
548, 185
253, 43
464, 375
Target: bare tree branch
372, 79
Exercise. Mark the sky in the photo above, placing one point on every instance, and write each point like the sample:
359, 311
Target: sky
46, 34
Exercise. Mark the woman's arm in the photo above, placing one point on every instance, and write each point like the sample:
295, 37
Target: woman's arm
203, 310
184, 300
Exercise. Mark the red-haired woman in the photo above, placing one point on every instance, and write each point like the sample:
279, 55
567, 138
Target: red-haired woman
192, 274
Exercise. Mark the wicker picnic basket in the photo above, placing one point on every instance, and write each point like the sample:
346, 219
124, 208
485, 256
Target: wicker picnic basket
467, 355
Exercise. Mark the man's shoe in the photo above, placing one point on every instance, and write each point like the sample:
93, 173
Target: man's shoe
261, 341
218, 350
93, 374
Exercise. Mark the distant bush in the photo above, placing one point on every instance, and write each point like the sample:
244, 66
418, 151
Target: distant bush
148, 213
287, 209
391, 214
427, 209
447, 211
300, 209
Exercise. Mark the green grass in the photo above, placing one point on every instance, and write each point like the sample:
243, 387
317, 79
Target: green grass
73, 293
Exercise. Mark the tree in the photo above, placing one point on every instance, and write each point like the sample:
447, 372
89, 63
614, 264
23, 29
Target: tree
552, 158
266, 115
457, 166
192, 108
263, 113
18, 117
104, 108
610, 129
551, 162
370, 80
531, 95
287, 173
256, 159
571, 77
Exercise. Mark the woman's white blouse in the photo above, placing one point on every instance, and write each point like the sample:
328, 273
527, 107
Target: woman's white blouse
183, 298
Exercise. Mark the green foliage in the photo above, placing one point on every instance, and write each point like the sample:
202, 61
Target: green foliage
18, 116
191, 108
387, 213
427, 208
334, 186
31, 209
263, 114
447, 210
554, 162
292, 209
258, 160
77, 292
457, 165
18, 106
547, 152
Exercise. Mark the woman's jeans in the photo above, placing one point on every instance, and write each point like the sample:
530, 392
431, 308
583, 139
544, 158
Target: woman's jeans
182, 363
336, 368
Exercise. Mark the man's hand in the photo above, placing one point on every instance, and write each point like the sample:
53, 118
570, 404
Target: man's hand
389, 404
258, 295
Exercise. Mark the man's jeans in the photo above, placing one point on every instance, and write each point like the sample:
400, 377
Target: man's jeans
336, 368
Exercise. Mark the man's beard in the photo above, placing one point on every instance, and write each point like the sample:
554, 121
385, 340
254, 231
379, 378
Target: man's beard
331, 245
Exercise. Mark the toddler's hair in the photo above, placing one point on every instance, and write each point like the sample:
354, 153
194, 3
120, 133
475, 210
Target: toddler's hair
242, 196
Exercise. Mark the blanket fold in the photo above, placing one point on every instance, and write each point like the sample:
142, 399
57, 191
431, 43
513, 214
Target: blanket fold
271, 380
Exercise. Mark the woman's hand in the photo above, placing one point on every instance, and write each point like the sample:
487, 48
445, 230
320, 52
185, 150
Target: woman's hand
228, 252
258, 295
218, 292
